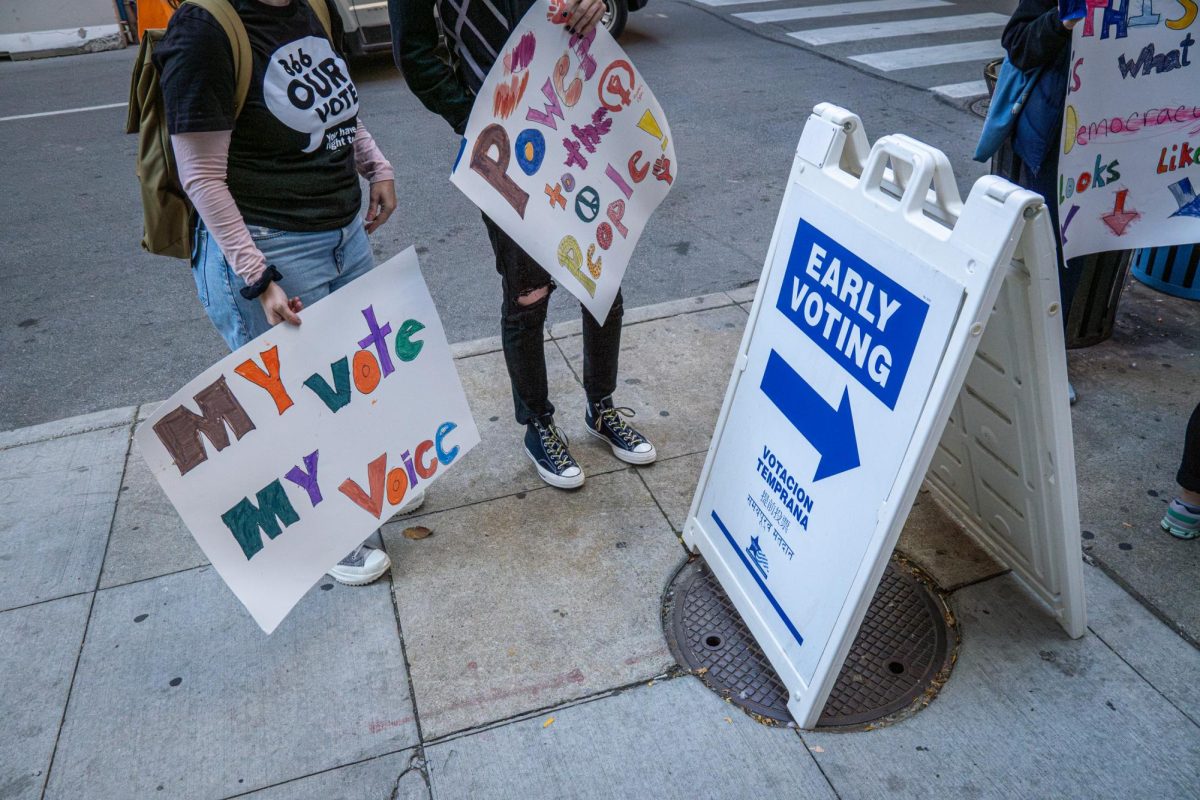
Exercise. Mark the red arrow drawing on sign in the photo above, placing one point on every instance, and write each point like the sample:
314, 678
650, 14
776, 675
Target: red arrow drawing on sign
1118, 220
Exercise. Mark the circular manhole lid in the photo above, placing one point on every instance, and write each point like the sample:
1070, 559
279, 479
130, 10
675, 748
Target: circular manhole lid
902, 649
980, 107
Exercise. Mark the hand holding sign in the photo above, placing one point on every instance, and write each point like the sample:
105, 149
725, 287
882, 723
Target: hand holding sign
568, 151
289, 452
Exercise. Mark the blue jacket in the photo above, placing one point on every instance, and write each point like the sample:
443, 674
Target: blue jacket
1034, 37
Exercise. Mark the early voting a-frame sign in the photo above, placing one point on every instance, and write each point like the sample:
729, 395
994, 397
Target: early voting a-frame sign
898, 334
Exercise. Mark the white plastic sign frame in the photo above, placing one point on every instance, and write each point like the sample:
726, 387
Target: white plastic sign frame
821, 445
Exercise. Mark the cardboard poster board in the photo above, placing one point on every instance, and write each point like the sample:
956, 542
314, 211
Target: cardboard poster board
285, 455
1129, 173
568, 151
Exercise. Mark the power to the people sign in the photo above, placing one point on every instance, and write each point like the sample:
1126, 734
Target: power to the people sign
568, 151
286, 454
848, 333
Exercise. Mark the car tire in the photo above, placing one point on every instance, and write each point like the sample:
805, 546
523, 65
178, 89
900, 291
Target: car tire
616, 14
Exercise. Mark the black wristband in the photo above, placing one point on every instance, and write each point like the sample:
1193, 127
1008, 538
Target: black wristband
255, 289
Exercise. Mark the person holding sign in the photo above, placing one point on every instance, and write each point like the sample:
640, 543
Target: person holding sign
1037, 40
274, 180
477, 31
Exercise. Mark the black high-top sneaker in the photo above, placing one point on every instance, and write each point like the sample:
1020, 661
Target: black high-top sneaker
604, 422
546, 447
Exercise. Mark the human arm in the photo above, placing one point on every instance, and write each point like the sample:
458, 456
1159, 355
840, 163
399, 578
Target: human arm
1035, 36
414, 47
377, 170
202, 159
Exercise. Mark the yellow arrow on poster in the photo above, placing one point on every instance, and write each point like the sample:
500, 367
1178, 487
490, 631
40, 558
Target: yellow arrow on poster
650, 125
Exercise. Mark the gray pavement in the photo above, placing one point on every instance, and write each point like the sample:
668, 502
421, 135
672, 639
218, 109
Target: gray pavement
518, 652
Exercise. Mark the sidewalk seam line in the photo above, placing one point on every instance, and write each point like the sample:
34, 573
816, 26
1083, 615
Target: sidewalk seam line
813, 756
286, 781
154, 577
521, 716
412, 690
968, 584
69, 434
1175, 627
1147, 681
43, 602
567, 361
91, 609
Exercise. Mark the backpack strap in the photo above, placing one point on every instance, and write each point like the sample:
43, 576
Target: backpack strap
321, 9
243, 59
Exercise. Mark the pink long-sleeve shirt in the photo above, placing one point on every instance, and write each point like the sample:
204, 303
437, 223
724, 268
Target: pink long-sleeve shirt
203, 160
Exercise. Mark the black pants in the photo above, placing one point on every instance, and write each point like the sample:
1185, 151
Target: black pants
1189, 468
522, 326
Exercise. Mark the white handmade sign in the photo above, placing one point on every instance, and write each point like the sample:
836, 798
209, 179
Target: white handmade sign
288, 453
568, 152
1130, 167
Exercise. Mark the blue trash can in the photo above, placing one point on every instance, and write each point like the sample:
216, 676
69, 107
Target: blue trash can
1173, 270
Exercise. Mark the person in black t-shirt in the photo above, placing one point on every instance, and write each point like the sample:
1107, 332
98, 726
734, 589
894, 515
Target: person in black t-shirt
276, 186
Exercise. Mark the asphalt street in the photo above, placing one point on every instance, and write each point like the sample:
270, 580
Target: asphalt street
88, 321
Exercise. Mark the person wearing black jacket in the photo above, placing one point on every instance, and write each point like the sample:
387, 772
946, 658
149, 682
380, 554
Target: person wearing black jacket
1037, 38
1034, 38
475, 32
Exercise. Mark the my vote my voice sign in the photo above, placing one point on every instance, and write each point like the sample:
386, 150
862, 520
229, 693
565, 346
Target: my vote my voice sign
842, 355
288, 453
568, 151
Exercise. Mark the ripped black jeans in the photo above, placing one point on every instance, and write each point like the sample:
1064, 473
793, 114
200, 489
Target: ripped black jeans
521, 327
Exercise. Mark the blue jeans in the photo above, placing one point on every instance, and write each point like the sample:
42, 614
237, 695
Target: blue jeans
313, 264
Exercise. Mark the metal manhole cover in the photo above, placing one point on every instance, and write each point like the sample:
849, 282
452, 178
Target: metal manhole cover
980, 107
902, 649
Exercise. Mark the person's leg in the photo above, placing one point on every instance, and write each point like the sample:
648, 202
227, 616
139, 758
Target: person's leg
602, 351
215, 291
526, 296
1182, 519
1188, 476
601, 358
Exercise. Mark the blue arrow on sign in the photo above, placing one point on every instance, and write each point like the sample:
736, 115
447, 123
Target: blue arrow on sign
830, 431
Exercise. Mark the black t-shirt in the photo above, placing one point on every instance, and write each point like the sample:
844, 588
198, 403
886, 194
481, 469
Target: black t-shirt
291, 155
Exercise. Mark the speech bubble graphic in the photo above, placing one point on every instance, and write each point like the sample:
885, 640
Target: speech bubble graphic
307, 87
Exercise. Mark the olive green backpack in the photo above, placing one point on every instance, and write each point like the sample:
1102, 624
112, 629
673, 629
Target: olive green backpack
167, 213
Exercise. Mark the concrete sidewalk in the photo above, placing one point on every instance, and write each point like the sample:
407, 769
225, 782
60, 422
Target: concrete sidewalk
519, 652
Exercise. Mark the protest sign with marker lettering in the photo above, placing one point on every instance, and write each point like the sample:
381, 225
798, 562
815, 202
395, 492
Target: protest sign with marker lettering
568, 151
1129, 174
285, 455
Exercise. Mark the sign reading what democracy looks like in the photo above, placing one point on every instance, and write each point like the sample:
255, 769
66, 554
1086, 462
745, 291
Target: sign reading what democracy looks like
568, 152
288, 453
1129, 175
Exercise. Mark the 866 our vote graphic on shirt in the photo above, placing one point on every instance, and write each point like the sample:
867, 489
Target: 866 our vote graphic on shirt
308, 88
